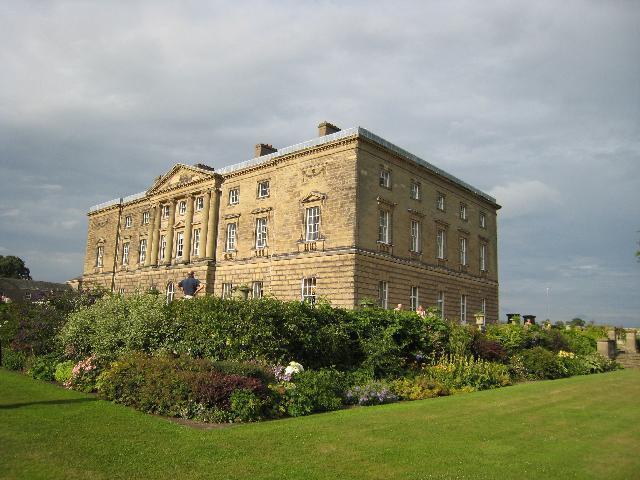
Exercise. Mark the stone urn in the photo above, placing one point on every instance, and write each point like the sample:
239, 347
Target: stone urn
367, 303
242, 292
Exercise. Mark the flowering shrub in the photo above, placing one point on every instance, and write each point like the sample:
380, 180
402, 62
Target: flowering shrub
585, 364
285, 374
84, 375
181, 386
455, 372
373, 393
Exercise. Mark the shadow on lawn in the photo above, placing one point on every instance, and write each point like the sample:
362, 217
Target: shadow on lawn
46, 402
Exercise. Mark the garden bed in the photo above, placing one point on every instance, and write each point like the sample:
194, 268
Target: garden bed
223, 361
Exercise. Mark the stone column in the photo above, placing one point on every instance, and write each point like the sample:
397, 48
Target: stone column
155, 237
205, 225
212, 225
172, 221
630, 344
188, 221
607, 348
150, 237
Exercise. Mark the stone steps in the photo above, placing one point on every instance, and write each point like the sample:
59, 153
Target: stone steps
628, 360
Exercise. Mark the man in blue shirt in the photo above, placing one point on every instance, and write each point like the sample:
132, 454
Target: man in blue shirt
190, 286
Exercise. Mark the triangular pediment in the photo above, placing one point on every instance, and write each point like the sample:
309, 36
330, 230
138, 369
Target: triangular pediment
314, 197
180, 175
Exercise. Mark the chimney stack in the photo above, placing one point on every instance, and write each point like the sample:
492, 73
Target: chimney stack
264, 149
326, 128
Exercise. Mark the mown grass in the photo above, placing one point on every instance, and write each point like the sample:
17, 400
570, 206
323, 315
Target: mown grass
582, 427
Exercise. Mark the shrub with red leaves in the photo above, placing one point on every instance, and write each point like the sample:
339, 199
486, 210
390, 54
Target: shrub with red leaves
214, 389
487, 349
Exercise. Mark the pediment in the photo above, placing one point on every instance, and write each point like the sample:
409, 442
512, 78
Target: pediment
314, 197
179, 175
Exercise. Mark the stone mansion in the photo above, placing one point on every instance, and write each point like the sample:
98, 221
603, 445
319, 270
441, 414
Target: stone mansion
346, 216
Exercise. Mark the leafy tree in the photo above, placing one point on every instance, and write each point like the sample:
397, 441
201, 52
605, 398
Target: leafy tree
13, 267
577, 322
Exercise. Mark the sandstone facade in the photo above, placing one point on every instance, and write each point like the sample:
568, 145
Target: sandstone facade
347, 216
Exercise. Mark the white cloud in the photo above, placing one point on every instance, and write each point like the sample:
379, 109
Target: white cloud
525, 197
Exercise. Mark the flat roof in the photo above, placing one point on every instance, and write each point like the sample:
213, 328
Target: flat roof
349, 132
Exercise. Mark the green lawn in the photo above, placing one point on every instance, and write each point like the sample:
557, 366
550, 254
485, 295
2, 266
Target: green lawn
582, 427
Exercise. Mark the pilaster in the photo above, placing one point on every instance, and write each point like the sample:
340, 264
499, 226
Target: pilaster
212, 226
186, 255
170, 233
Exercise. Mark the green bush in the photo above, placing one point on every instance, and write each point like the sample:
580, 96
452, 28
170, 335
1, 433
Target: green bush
596, 363
315, 391
13, 360
418, 388
64, 371
246, 406
554, 340
460, 372
579, 342
461, 339
266, 330
540, 363
513, 337
115, 325
43, 367
390, 340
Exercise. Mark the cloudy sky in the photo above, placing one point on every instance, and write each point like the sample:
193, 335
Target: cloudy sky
537, 103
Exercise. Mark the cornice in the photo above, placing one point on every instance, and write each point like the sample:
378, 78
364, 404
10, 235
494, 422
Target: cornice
290, 156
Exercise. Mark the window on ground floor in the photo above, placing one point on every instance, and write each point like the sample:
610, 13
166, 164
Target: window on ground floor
309, 290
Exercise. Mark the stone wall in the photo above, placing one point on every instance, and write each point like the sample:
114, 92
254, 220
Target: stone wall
341, 178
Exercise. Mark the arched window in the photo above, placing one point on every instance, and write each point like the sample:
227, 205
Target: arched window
170, 292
